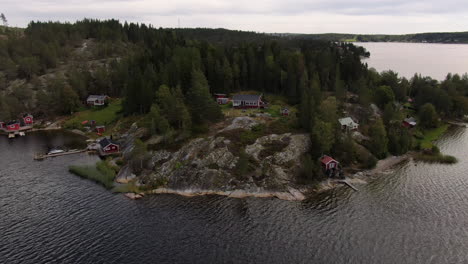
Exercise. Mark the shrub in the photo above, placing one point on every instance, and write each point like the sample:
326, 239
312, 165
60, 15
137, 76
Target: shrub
100, 173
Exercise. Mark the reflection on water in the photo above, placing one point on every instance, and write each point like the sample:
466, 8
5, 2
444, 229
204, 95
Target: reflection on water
417, 214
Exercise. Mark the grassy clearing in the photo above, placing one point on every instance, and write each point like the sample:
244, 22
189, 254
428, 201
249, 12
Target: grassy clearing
429, 136
130, 187
102, 116
101, 173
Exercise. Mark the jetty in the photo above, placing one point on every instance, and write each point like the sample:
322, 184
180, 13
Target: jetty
45, 156
347, 183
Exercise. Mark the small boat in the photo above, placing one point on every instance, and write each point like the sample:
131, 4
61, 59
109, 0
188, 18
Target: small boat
22, 134
55, 151
11, 135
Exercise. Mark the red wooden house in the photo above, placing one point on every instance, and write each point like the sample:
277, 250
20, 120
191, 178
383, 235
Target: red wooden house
248, 101
2, 125
100, 129
221, 98
409, 122
13, 126
328, 163
28, 119
108, 146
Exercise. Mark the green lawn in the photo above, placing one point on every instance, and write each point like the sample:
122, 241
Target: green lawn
102, 116
432, 135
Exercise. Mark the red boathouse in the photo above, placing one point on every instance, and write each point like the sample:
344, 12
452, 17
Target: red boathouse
328, 163
13, 126
28, 119
108, 146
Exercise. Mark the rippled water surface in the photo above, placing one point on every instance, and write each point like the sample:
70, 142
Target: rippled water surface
428, 59
417, 214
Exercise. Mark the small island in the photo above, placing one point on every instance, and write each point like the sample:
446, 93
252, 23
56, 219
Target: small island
239, 114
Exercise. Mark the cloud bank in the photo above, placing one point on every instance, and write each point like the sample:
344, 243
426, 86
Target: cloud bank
299, 16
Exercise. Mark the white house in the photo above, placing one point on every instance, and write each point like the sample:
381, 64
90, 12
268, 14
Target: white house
97, 100
348, 123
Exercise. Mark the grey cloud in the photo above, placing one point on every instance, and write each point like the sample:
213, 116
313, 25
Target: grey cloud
228, 12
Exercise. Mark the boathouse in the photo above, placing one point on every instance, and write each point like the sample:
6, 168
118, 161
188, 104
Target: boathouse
28, 119
108, 146
97, 100
248, 101
328, 163
13, 126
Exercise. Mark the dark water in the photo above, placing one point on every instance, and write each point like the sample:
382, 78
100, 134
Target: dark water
428, 59
418, 214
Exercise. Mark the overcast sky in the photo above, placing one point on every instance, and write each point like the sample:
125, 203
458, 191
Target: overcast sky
296, 16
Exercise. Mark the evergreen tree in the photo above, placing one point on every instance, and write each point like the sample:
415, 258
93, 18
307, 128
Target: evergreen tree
428, 116
202, 105
379, 141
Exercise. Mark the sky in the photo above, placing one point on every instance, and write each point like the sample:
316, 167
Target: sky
271, 16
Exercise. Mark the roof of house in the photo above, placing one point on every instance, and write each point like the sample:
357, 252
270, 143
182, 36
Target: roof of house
26, 115
346, 121
96, 97
246, 97
12, 122
106, 142
410, 120
327, 159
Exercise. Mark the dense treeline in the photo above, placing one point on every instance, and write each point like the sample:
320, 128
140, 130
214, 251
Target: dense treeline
438, 37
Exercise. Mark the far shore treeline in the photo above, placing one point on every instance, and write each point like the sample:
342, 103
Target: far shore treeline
169, 76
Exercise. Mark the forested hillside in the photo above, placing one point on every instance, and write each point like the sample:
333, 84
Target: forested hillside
168, 76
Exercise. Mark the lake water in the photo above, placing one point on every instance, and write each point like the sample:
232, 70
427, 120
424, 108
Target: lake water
416, 214
428, 59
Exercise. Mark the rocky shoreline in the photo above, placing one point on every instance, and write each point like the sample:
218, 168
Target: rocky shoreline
206, 166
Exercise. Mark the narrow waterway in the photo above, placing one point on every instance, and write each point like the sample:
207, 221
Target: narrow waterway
416, 214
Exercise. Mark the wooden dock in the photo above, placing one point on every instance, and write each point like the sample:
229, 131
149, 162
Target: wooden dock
345, 182
45, 156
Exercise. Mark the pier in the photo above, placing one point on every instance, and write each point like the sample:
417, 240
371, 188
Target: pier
45, 156
345, 182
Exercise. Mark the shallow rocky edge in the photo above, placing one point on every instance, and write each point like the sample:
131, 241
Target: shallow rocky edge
204, 166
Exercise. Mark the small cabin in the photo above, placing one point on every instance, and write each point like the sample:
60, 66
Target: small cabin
108, 146
328, 163
28, 119
100, 129
13, 126
2, 125
348, 123
409, 122
284, 111
97, 100
248, 101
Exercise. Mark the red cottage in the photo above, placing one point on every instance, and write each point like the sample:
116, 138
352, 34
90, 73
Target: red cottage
328, 163
28, 119
108, 146
100, 129
2, 125
248, 101
13, 126
221, 98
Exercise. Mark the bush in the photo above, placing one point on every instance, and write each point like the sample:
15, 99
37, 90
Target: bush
101, 173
